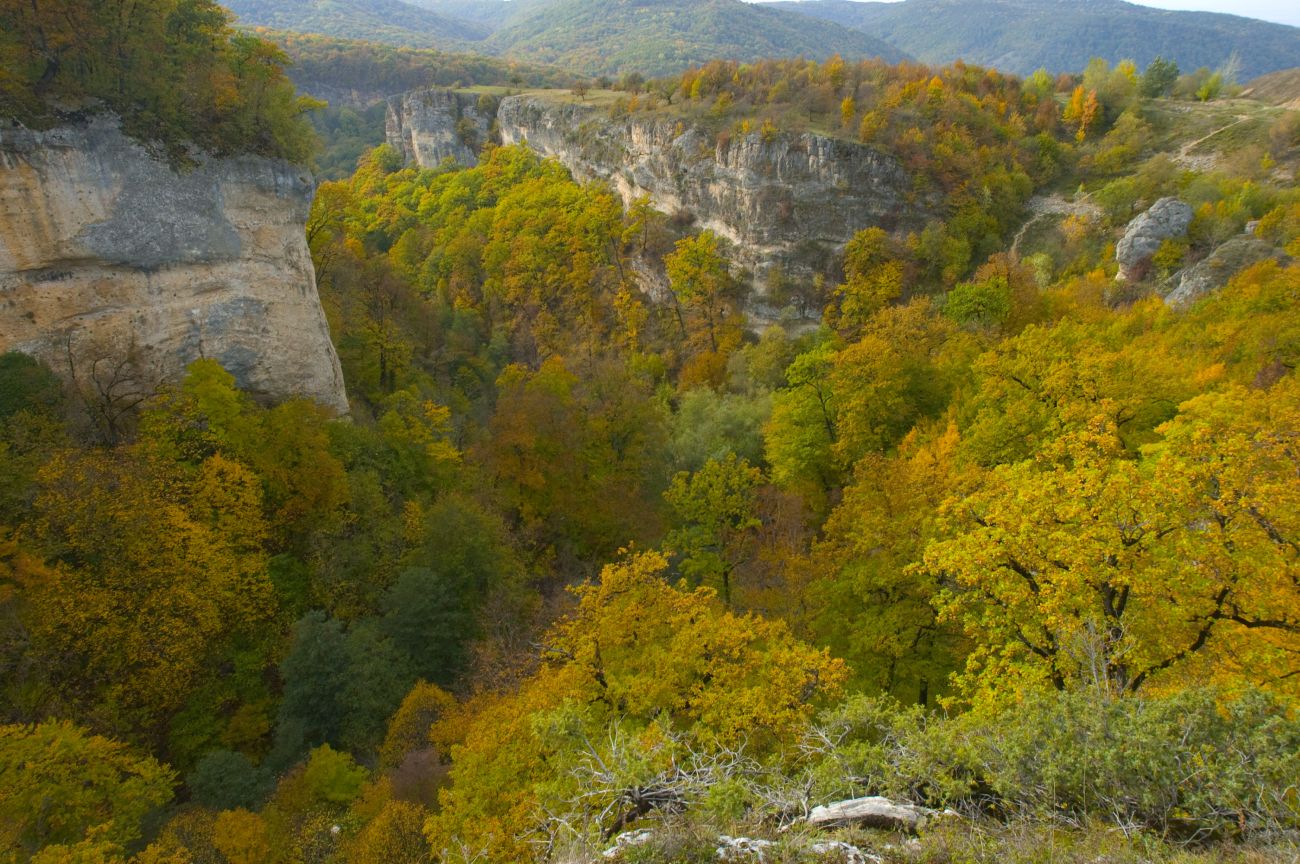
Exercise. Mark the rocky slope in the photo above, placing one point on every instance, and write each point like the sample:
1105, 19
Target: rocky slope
787, 200
114, 263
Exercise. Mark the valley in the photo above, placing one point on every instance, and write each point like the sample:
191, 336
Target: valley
645, 444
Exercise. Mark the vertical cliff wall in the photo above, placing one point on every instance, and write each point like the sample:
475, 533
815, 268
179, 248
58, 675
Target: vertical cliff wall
791, 200
106, 251
428, 126
788, 199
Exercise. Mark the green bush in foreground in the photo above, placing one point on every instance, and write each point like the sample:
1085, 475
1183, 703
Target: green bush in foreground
1190, 766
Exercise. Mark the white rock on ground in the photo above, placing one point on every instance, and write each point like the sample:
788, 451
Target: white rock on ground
871, 812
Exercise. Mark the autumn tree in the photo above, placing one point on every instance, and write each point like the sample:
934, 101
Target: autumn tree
154, 576
639, 664
1083, 563
563, 451
874, 276
63, 785
704, 297
867, 601
716, 510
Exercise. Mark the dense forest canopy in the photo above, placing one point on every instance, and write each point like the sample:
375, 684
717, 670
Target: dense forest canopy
1003, 534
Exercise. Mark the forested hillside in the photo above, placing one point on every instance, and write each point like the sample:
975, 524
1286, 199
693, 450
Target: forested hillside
387, 21
664, 36
354, 77
1019, 36
174, 72
649, 37
1005, 535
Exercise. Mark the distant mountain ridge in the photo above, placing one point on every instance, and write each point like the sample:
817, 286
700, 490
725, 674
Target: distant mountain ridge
1020, 36
653, 37
391, 22
658, 37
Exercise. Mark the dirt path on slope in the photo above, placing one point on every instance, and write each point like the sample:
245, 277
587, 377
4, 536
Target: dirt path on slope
1053, 205
1205, 161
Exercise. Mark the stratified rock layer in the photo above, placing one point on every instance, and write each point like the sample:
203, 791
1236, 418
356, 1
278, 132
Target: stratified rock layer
107, 251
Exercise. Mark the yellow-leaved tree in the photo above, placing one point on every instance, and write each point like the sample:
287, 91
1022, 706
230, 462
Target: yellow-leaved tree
153, 572
641, 682
1085, 562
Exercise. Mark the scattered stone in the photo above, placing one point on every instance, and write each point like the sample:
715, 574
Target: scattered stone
742, 848
627, 840
1209, 275
1166, 219
872, 812
845, 852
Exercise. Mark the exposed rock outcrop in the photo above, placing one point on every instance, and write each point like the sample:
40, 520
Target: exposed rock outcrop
1213, 272
107, 251
428, 126
872, 812
792, 200
1166, 219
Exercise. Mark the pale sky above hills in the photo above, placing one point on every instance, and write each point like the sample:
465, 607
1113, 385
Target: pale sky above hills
1281, 11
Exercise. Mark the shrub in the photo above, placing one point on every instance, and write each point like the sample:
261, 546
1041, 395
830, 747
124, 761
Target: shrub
332, 777
27, 385
1192, 765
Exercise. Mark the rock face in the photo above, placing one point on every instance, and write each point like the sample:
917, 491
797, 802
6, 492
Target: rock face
1212, 273
1166, 219
428, 126
107, 252
784, 199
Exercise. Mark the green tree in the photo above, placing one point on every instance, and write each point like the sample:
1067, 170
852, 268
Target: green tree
1158, 78
426, 618
985, 305
716, 509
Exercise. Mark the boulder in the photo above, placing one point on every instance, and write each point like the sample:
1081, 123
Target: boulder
872, 812
1212, 273
1166, 219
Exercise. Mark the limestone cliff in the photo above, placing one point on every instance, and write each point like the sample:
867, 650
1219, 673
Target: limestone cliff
792, 200
108, 252
428, 126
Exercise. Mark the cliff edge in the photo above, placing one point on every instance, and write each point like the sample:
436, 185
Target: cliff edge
108, 252
782, 199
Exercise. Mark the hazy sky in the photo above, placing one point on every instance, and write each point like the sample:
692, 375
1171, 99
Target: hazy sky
1284, 11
